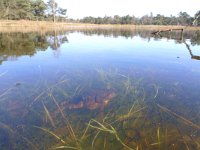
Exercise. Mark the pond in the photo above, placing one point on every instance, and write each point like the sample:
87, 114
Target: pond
100, 89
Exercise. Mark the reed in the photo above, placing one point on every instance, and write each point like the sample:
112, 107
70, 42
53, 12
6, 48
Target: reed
45, 26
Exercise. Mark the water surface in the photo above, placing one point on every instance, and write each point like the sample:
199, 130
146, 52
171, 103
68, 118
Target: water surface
100, 89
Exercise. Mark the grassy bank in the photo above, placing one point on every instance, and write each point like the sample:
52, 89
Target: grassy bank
44, 26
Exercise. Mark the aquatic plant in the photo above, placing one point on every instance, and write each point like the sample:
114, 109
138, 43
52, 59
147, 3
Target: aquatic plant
135, 119
15, 133
108, 128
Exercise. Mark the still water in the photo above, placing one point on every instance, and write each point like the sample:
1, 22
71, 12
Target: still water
100, 89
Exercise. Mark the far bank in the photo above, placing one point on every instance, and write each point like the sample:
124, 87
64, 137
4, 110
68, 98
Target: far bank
45, 26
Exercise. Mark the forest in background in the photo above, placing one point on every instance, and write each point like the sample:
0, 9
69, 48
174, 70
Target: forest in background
50, 11
31, 10
183, 18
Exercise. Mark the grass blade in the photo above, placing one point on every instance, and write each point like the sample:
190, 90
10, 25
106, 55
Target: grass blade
49, 116
51, 133
186, 121
65, 147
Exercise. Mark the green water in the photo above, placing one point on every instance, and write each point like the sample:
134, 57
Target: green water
153, 81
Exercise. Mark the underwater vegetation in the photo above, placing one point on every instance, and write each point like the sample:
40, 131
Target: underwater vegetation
57, 93
112, 110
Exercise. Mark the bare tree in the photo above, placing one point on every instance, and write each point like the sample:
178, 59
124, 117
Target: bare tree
52, 7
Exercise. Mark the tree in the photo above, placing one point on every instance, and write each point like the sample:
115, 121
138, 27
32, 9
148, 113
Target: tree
184, 18
62, 13
7, 9
126, 19
145, 20
23, 9
54, 9
196, 20
38, 9
15, 9
116, 19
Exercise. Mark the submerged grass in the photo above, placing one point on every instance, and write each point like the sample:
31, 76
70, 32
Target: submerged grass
130, 114
49, 116
108, 128
186, 121
2, 74
132, 120
65, 147
6, 92
69, 126
8, 128
51, 133
46, 91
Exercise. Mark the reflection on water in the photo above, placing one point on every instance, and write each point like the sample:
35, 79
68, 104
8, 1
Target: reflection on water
100, 89
14, 45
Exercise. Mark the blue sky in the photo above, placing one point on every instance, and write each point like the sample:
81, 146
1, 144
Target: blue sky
82, 8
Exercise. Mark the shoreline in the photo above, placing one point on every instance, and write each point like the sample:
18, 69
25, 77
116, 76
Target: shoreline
45, 26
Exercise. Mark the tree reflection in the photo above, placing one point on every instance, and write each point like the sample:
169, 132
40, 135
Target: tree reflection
14, 45
190, 51
194, 40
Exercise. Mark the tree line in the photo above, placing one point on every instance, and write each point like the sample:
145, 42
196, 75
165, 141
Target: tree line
39, 10
183, 18
31, 10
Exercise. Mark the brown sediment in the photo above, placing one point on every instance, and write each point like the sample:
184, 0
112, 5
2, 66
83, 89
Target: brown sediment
16, 108
92, 100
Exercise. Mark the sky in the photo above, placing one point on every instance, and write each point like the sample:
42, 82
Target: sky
81, 8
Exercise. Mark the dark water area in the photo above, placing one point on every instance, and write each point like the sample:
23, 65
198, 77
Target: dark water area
100, 89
